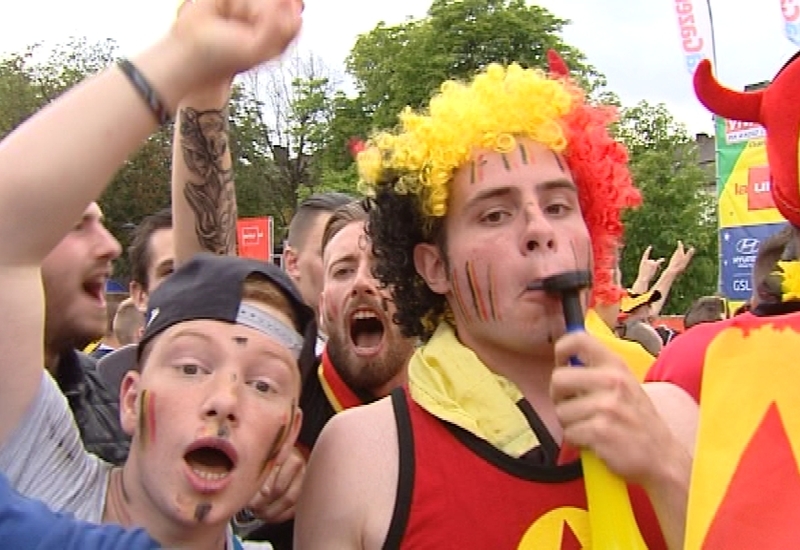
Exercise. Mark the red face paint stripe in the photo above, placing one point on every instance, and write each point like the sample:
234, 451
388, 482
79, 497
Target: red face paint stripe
477, 300
491, 293
558, 161
459, 298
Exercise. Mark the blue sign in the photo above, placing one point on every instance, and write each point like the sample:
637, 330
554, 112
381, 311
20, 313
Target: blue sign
739, 248
115, 286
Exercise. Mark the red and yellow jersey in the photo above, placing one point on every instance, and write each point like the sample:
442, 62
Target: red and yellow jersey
745, 489
457, 491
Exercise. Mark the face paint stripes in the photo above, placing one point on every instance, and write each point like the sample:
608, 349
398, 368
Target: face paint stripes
143, 423
476, 169
477, 299
523, 153
574, 252
201, 511
275, 448
506, 162
558, 161
460, 298
495, 315
151, 416
590, 262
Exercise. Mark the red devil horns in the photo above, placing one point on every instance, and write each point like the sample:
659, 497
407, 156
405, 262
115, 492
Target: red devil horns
727, 103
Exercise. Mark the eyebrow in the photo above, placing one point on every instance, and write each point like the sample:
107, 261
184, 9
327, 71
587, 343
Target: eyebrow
344, 259
503, 191
560, 183
191, 333
262, 350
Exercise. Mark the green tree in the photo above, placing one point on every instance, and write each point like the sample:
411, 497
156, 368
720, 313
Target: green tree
679, 201
19, 95
400, 65
350, 121
291, 107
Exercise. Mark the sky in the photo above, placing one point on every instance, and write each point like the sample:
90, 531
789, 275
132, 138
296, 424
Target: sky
635, 44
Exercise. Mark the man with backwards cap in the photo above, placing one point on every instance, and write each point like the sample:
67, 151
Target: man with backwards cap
214, 404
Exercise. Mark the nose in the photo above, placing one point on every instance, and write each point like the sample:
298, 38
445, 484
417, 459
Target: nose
222, 402
106, 246
539, 234
364, 282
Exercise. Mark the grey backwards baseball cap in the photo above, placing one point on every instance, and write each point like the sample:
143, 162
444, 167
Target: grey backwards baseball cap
210, 287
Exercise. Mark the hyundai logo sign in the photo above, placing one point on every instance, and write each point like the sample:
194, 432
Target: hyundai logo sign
747, 246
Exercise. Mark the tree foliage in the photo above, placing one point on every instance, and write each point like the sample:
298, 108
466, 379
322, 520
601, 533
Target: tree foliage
276, 141
678, 202
291, 106
292, 123
400, 65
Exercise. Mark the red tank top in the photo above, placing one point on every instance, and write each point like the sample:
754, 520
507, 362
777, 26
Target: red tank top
457, 491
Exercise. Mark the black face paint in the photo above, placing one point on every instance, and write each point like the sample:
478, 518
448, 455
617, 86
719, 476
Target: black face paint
223, 431
201, 511
241, 340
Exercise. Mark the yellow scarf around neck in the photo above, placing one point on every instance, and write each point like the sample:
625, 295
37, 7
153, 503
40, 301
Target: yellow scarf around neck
448, 380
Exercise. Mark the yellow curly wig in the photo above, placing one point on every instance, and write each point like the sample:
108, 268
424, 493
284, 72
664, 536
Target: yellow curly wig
500, 104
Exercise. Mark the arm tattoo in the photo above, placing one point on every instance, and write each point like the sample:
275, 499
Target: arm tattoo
209, 190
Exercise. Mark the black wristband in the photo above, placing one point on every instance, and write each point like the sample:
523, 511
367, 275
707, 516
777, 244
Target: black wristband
145, 90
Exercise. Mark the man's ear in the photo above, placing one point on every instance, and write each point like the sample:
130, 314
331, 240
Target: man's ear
139, 296
129, 402
290, 262
431, 267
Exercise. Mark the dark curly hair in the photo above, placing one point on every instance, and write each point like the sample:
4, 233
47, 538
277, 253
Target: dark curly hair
395, 227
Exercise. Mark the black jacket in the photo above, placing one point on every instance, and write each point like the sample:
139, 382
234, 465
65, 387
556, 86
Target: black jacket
95, 408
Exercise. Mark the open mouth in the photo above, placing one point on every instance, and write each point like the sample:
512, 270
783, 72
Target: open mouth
211, 461
366, 330
96, 290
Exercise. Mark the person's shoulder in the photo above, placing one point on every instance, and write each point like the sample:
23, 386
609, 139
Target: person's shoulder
681, 362
362, 426
355, 460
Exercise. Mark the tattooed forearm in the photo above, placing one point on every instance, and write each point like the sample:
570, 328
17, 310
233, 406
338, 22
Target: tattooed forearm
209, 189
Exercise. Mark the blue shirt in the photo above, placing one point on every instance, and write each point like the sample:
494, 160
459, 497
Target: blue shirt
27, 523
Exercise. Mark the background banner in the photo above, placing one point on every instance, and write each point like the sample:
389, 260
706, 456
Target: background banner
790, 9
694, 26
254, 238
747, 214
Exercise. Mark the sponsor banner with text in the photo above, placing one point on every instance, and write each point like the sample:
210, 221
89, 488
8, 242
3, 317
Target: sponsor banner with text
694, 28
747, 213
254, 238
790, 10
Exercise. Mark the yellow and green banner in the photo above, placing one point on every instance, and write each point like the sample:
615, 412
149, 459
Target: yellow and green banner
747, 213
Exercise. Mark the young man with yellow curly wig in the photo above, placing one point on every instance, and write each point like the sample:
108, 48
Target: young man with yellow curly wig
500, 183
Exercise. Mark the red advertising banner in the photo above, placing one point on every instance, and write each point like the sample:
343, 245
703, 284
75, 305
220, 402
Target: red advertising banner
758, 188
254, 238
